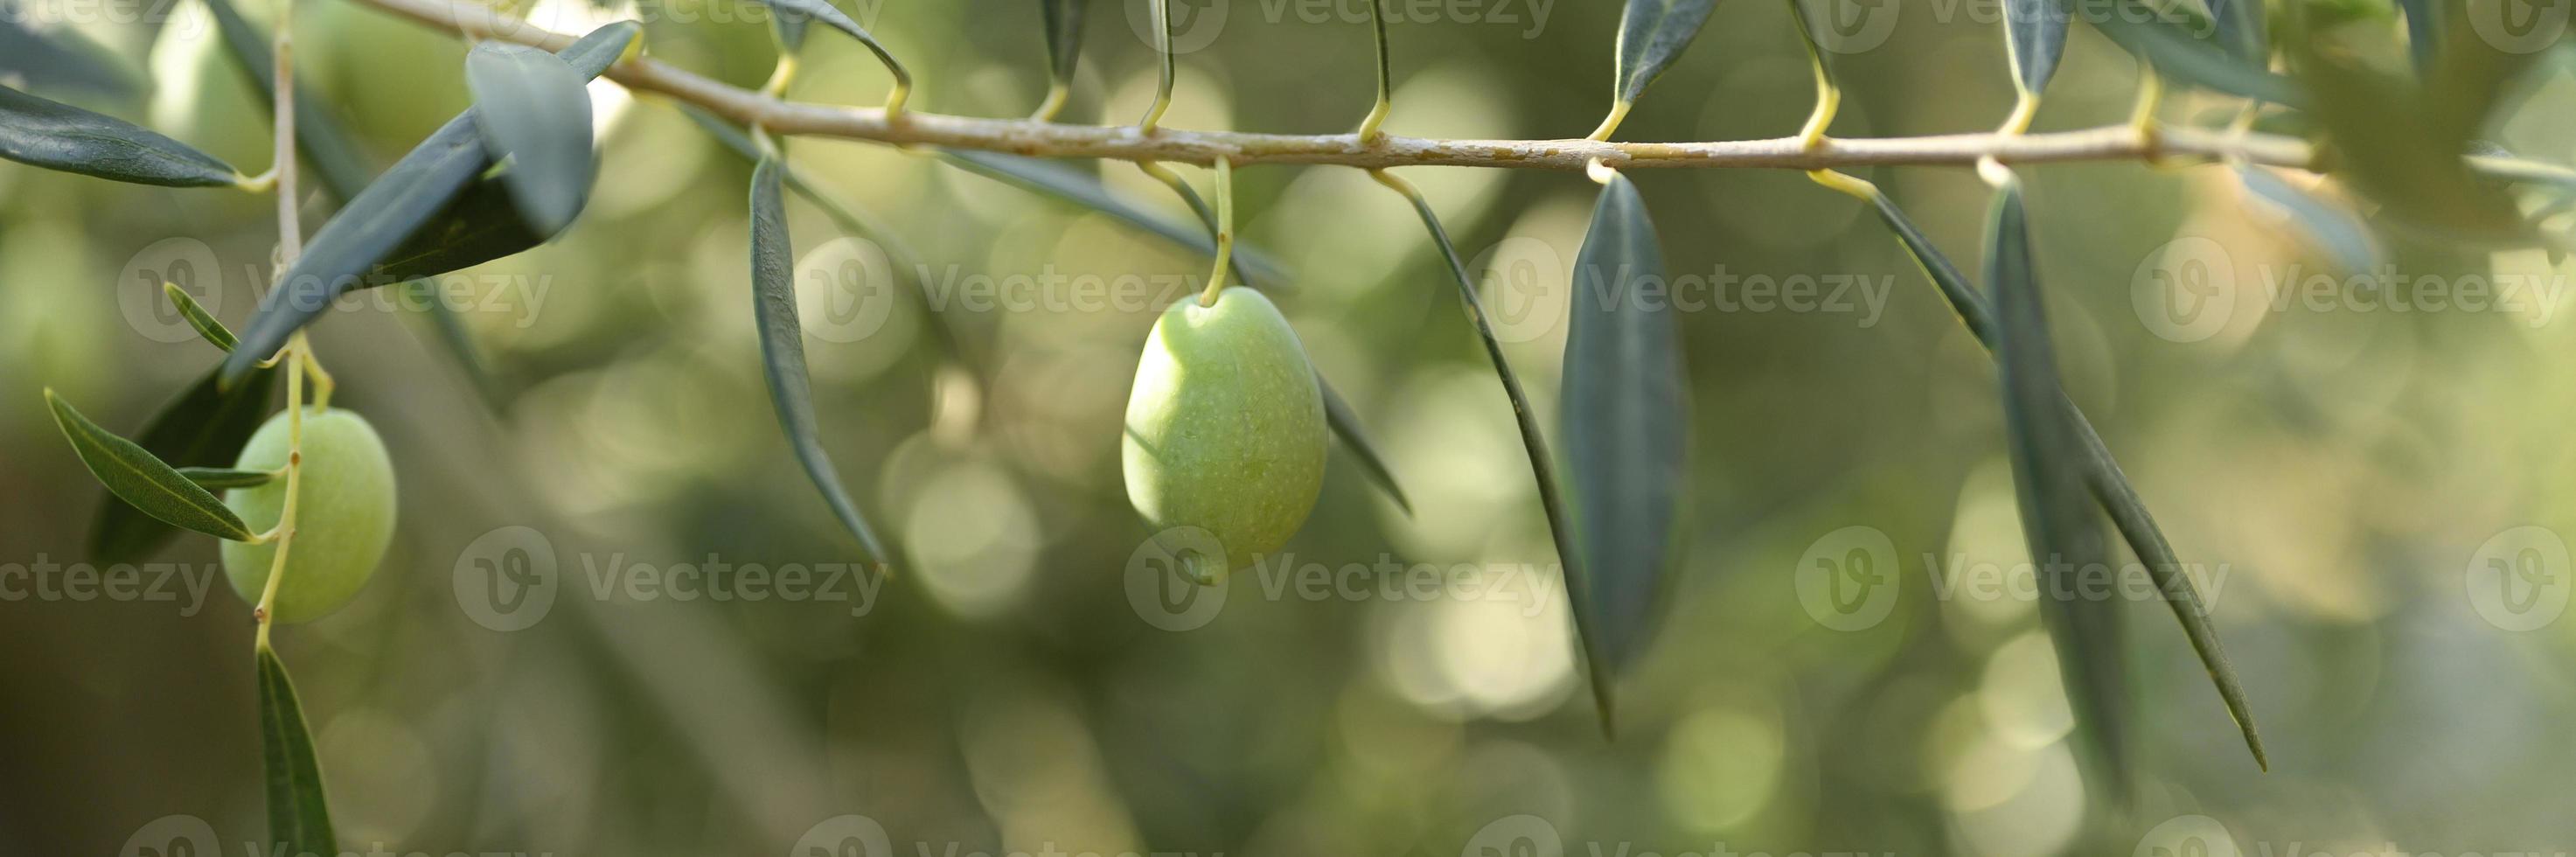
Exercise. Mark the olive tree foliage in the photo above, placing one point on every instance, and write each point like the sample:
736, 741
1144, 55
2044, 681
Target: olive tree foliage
516, 168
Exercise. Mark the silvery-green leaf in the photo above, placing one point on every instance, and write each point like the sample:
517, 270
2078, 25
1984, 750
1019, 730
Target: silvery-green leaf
533, 113
2059, 520
1542, 467
1063, 36
1652, 34
2331, 228
2110, 486
320, 138
299, 818
782, 348
206, 425
831, 16
1086, 190
2240, 28
2035, 35
407, 221
2423, 33
58, 136
143, 479
790, 27
55, 60
2184, 47
1625, 433
1353, 434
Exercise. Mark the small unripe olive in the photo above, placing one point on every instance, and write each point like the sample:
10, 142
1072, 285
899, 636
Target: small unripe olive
344, 514
1225, 428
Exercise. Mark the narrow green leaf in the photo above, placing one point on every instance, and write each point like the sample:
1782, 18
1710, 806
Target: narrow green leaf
790, 28
2185, 48
206, 325
2058, 517
1652, 34
394, 231
220, 478
782, 348
1086, 190
2035, 36
299, 817
2240, 28
2423, 34
142, 479
1063, 37
1625, 432
2331, 228
1542, 467
55, 136
56, 60
2109, 484
1354, 436
831, 16
533, 113
206, 425
320, 137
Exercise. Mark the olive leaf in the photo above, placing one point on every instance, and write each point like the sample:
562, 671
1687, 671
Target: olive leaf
782, 348
2058, 518
299, 817
2240, 28
1353, 434
206, 325
2331, 228
2185, 48
204, 425
58, 59
1086, 190
1652, 34
2109, 484
143, 479
1063, 37
2035, 37
831, 16
219, 478
320, 138
1542, 467
56, 136
426, 211
1626, 434
2423, 34
790, 28
533, 113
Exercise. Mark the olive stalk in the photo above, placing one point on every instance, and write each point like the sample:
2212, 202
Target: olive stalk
298, 354
1224, 232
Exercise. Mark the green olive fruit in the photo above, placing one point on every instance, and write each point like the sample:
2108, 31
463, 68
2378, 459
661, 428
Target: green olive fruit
1225, 428
344, 514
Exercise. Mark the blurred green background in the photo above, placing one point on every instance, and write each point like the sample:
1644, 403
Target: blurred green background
2341, 471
